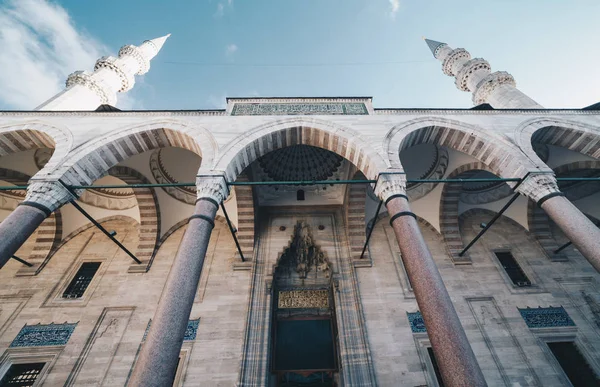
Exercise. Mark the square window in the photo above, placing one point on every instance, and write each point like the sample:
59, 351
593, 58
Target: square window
24, 374
81, 280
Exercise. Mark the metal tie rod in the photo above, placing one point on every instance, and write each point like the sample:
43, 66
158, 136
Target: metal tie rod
237, 244
371, 229
99, 226
24, 262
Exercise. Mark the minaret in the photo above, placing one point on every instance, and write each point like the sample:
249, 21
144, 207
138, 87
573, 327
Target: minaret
499, 89
87, 91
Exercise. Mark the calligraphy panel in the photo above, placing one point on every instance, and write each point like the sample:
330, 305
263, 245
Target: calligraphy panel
296, 299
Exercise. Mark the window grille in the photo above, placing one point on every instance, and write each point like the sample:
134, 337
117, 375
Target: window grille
512, 268
574, 364
23, 375
81, 280
436, 369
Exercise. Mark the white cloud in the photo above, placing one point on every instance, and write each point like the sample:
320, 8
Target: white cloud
40, 48
231, 49
221, 8
395, 6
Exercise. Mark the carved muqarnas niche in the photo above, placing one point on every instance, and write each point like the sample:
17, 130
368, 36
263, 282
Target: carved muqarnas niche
303, 256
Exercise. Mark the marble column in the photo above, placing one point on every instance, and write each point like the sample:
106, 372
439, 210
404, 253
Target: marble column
157, 363
42, 199
581, 231
453, 352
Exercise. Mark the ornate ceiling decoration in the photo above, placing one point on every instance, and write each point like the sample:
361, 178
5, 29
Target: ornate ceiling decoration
482, 193
300, 163
436, 171
575, 190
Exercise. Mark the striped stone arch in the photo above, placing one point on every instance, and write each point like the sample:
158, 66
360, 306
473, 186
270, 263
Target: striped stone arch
572, 135
540, 224
149, 231
576, 194
49, 233
501, 156
25, 136
257, 142
355, 216
93, 159
449, 219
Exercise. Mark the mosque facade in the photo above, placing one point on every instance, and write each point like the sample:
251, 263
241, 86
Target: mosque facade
299, 241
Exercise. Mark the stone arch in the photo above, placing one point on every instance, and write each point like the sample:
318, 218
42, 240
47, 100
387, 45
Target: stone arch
149, 231
93, 159
572, 135
355, 216
49, 233
85, 227
501, 156
539, 222
34, 135
449, 219
576, 166
261, 140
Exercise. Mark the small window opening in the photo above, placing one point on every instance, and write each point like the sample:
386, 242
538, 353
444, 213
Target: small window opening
300, 194
436, 369
22, 375
574, 364
81, 280
512, 268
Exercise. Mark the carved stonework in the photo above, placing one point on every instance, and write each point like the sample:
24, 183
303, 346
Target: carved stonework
299, 299
470, 68
459, 54
83, 78
138, 55
489, 84
108, 62
537, 186
213, 186
303, 256
390, 182
275, 109
50, 194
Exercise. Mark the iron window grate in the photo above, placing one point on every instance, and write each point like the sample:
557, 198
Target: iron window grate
22, 374
81, 280
512, 268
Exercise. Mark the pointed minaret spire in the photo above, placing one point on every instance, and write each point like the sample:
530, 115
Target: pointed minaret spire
87, 91
434, 46
499, 89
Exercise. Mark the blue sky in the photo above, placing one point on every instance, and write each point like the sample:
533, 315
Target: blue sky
230, 48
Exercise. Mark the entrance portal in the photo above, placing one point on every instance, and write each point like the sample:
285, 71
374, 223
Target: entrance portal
304, 330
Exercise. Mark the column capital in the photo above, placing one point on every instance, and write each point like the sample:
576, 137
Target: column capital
537, 186
212, 185
49, 194
390, 182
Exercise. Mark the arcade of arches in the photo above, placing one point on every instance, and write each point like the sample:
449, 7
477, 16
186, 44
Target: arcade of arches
290, 296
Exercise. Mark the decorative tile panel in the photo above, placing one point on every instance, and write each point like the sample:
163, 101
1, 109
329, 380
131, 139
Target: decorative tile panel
190, 331
291, 109
294, 299
43, 335
546, 317
417, 325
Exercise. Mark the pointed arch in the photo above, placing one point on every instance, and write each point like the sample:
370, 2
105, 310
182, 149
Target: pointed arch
261, 140
23, 136
93, 159
449, 219
149, 231
499, 155
572, 135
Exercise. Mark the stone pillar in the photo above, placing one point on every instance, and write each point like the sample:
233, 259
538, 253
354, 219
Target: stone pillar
581, 231
453, 352
42, 199
158, 358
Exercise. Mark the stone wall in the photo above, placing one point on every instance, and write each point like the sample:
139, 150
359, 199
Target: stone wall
115, 310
